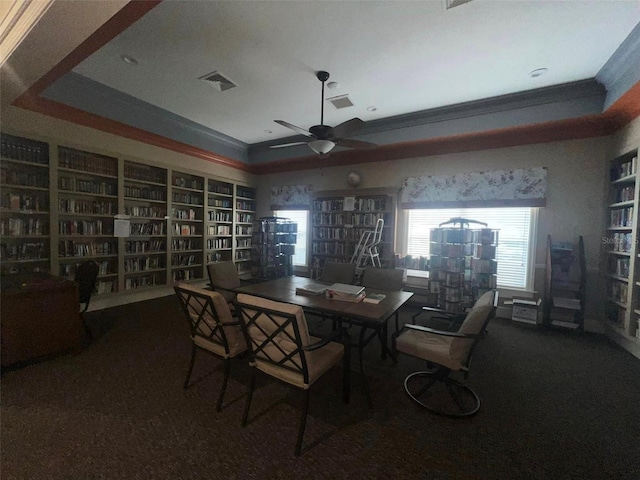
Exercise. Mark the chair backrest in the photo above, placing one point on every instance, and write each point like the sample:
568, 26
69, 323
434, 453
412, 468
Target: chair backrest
276, 333
210, 321
86, 277
224, 277
335, 272
474, 323
383, 278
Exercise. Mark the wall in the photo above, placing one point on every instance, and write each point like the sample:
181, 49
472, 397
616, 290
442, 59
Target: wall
577, 176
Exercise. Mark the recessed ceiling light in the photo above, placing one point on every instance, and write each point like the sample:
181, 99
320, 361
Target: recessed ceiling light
372, 108
129, 59
333, 85
538, 72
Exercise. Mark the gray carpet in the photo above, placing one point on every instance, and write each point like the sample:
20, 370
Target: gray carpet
555, 405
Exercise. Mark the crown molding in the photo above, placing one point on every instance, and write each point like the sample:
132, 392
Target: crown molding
15, 25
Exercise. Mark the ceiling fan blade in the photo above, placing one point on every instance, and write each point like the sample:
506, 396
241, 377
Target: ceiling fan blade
288, 145
346, 129
344, 142
294, 128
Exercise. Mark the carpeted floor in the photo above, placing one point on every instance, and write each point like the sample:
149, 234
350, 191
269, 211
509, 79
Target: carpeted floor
556, 405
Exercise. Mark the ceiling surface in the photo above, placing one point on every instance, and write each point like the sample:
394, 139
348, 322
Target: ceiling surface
394, 57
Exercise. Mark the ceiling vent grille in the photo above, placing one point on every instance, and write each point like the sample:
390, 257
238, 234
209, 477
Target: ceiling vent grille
448, 4
341, 101
218, 81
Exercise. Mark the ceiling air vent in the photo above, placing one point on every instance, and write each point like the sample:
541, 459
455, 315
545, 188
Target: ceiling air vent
454, 3
341, 101
218, 81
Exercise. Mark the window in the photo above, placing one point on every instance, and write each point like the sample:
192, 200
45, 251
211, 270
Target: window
515, 237
301, 217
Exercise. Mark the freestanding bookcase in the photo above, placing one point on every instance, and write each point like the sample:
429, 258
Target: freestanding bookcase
273, 246
462, 263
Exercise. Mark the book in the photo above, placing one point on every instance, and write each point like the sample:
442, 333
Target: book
311, 289
345, 289
333, 295
374, 298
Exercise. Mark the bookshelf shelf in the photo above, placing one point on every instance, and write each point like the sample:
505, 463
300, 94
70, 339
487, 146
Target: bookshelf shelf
24, 219
621, 272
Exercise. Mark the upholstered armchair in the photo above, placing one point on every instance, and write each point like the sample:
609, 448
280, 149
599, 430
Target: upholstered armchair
280, 346
213, 329
446, 352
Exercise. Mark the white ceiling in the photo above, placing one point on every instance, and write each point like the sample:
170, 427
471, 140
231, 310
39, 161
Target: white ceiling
399, 56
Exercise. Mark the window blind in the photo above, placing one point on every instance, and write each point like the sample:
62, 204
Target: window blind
514, 237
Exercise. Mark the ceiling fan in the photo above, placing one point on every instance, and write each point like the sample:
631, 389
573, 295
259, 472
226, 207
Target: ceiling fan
324, 138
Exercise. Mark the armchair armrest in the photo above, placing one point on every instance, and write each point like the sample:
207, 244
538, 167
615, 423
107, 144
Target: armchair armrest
439, 332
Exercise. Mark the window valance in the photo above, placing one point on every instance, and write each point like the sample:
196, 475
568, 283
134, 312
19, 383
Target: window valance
291, 197
524, 187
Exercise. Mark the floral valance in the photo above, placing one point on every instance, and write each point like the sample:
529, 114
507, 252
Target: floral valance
291, 197
497, 188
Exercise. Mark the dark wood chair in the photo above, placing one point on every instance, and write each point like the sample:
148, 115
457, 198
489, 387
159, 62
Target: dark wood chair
335, 272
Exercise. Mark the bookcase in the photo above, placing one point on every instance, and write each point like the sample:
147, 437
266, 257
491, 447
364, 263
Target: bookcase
620, 267
340, 218
145, 203
187, 224
245, 213
59, 203
462, 265
273, 246
219, 221
24, 207
87, 196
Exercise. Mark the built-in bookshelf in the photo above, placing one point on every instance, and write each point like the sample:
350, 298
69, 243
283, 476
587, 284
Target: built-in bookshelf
245, 213
187, 225
24, 211
87, 199
145, 204
340, 218
60, 203
622, 255
219, 225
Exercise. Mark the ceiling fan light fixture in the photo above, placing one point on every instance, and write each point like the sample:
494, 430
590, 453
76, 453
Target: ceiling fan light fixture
321, 147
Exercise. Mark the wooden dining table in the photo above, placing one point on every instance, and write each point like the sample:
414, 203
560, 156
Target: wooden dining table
365, 315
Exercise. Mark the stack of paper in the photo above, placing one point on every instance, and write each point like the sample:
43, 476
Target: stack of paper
311, 289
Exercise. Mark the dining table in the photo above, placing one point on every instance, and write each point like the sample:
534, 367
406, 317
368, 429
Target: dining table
368, 316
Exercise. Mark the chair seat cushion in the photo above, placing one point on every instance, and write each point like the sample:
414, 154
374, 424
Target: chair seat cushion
318, 362
235, 349
432, 348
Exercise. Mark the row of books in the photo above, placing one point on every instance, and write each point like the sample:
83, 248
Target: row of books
342, 292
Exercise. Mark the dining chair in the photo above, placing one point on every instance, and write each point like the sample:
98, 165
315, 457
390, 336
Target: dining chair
384, 279
336, 272
213, 329
86, 277
223, 278
280, 346
446, 352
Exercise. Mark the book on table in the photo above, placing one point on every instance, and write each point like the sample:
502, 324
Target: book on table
311, 289
374, 297
345, 292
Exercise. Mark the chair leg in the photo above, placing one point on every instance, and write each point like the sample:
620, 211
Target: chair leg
303, 422
252, 383
346, 370
227, 368
193, 359
382, 334
364, 377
